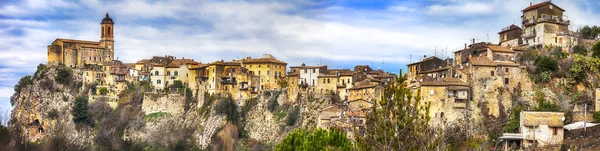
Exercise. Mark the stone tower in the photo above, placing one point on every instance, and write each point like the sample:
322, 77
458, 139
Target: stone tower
107, 36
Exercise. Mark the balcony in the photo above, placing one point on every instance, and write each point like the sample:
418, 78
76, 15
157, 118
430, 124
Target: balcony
529, 34
228, 80
527, 22
554, 20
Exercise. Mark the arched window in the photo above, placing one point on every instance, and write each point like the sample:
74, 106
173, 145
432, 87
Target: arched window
103, 31
108, 31
156, 73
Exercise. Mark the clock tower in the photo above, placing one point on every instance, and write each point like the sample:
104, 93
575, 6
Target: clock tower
107, 31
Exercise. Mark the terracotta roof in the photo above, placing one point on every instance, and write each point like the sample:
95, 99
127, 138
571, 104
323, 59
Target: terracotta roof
327, 76
142, 61
178, 62
495, 48
540, 5
356, 113
367, 83
505, 63
340, 71
552, 119
308, 67
226, 63
509, 28
436, 70
198, 66
445, 82
481, 61
78, 41
262, 60
91, 46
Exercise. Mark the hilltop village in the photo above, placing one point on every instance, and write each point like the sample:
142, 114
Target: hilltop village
475, 89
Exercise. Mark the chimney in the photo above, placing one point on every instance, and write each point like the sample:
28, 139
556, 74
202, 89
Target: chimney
465, 45
473, 41
182, 57
530, 3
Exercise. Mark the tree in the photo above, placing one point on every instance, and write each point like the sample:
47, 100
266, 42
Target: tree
315, 139
596, 50
400, 123
580, 49
545, 63
103, 91
80, 110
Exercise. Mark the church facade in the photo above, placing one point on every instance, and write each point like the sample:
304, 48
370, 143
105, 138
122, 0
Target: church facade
77, 53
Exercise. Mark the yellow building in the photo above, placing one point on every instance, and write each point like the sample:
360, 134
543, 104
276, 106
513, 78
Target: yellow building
268, 69
77, 53
368, 90
225, 77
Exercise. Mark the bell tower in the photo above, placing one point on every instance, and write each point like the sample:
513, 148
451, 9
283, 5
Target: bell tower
107, 36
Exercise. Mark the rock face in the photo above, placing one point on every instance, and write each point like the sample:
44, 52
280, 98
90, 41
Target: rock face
39, 106
44, 108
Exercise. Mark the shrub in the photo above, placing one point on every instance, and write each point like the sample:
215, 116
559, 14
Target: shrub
53, 114
80, 110
597, 117
272, 104
103, 91
227, 107
543, 104
154, 116
596, 50
545, 63
529, 55
580, 49
315, 139
23, 83
64, 75
40, 72
293, 116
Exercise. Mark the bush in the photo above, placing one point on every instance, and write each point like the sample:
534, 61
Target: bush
4, 136
64, 75
80, 110
293, 116
545, 63
529, 55
315, 139
543, 104
596, 50
580, 49
227, 107
40, 72
272, 104
53, 114
103, 91
23, 83
154, 116
596, 117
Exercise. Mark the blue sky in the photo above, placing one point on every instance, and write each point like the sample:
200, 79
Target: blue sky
338, 33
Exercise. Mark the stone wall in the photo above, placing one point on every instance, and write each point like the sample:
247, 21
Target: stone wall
168, 103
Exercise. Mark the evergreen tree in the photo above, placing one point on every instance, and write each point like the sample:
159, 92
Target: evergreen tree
80, 110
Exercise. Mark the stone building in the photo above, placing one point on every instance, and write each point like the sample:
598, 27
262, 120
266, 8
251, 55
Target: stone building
308, 75
545, 24
77, 53
226, 77
164, 71
541, 128
269, 70
428, 63
447, 98
510, 36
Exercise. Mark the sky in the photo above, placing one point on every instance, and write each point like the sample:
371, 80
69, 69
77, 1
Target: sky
338, 33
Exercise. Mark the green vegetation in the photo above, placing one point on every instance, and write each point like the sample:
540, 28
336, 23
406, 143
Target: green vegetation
588, 32
580, 49
315, 139
545, 64
543, 104
40, 73
23, 83
400, 122
64, 75
53, 114
4, 136
283, 84
513, 124
292, 117
226, 106
529, 55
103, 91
596, 117
596, 50
80, 110
154, 116
583, 64
272, 104
207, 103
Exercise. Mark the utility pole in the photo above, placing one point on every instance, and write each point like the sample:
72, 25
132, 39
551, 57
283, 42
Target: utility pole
584, 119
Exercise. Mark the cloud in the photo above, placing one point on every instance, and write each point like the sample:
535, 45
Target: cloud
295, 32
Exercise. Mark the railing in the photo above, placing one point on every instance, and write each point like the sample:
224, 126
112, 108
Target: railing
528, 22
529, 34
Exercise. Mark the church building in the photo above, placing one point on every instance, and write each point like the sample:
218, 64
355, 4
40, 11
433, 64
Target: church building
77, 53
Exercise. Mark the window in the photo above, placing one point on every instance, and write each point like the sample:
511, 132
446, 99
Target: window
186, 74
268, 66
505, 80
497, 56
554, 131
232, 69
157, 81
305, 70
491, 73
268, 73
102, 30
259, 72
506, 70
108, 31
313, 82
156, 73
167, 83
259, 66
328, 81
314, 70
176, 73
168, 73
